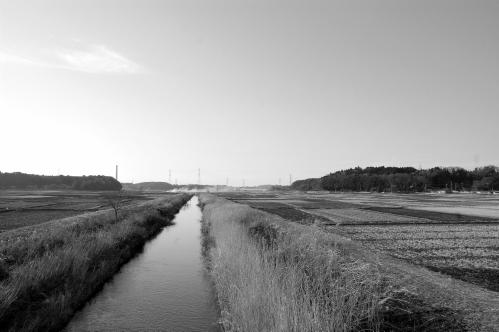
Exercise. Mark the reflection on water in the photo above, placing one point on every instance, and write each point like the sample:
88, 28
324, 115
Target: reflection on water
165, 288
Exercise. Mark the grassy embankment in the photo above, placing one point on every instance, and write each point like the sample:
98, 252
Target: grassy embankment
417, 299
273, 275
48, 271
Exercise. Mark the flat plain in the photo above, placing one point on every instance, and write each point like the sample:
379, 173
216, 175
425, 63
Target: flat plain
20, 208
454, 234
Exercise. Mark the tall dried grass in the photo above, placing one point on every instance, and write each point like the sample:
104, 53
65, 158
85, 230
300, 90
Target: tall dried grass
273, 275
49, 273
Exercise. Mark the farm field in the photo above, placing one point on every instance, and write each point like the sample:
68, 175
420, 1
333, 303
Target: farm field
454, 234
26, 208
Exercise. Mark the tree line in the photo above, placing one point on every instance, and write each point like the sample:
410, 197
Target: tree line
19, 180
405, 179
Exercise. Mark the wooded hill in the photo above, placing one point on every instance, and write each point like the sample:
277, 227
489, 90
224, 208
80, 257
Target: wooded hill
31, 181
404, 179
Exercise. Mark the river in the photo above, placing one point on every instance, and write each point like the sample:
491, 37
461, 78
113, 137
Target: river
164, 288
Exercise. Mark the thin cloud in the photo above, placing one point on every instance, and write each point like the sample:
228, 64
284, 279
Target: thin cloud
93, 59
98, 59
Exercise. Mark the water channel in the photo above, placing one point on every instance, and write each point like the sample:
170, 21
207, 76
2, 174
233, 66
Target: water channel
164, 288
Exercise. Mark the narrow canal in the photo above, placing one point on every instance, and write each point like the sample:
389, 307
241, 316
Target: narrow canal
164, 288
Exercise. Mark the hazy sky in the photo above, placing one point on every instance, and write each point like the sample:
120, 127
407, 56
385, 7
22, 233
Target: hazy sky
246, 89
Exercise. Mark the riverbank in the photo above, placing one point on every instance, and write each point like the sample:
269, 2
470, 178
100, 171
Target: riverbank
49, 271
273, 275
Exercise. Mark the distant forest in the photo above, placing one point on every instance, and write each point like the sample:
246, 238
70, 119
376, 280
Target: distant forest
405, 179
30, 181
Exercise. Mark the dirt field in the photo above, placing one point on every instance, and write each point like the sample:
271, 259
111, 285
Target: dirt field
26, 208
455, 234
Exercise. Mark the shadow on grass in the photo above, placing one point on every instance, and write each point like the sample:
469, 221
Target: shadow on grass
405, 312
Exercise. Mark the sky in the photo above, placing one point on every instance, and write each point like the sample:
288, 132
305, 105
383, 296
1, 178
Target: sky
246, 90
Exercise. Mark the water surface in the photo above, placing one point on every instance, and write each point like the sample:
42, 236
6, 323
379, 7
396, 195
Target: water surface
165, 288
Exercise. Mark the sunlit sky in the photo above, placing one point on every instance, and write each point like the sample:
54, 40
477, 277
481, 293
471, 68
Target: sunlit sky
253, 90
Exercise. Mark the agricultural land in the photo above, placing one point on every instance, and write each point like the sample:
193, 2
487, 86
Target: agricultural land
444, 248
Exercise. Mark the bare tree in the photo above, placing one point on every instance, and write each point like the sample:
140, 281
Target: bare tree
116, 201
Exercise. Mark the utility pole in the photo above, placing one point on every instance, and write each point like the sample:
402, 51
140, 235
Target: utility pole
290, 179
116, 172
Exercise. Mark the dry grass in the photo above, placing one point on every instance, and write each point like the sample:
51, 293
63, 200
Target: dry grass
416, 298
271, 275
48, 273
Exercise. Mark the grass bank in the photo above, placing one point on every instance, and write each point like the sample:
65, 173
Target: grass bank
273, 275
48, 271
